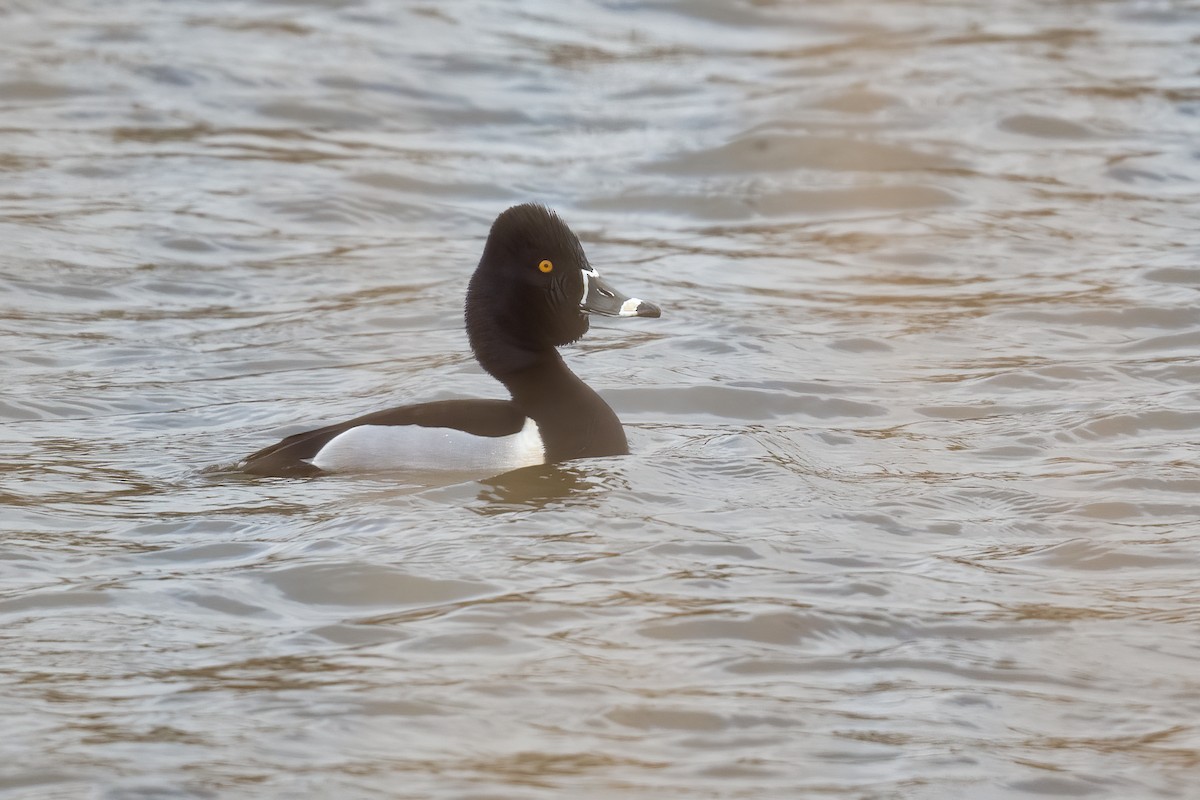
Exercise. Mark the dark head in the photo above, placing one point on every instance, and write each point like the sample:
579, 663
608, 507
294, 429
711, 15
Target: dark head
533, 288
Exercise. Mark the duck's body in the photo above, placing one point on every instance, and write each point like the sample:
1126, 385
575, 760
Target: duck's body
531, 293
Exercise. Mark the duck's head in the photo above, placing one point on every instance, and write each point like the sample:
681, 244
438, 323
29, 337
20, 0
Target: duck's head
534, 287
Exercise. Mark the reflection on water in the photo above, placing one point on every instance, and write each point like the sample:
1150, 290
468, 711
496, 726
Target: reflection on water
911, 507
537, 487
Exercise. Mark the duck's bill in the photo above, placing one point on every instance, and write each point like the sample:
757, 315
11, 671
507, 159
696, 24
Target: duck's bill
600, 298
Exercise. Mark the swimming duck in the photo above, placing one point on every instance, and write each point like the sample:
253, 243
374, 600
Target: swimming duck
531, 293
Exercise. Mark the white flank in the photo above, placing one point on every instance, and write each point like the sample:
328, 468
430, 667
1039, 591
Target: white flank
375, 448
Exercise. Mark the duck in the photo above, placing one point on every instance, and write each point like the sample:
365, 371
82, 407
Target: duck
532, 292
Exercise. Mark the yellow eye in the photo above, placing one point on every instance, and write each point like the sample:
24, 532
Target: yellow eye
545, 266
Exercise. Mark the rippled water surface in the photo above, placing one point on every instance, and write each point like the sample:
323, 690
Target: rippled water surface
914, 504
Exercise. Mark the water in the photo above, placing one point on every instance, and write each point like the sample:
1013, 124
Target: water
912, 509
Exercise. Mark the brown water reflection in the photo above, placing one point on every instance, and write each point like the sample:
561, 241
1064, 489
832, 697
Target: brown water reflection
911, 510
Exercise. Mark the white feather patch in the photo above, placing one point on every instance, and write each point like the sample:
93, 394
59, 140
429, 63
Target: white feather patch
372, 448
588, 273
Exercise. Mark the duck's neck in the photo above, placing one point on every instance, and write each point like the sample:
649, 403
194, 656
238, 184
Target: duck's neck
573, 420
